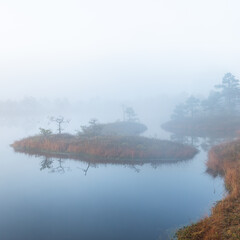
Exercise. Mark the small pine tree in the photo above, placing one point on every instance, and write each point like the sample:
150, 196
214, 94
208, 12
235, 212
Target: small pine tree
45, 132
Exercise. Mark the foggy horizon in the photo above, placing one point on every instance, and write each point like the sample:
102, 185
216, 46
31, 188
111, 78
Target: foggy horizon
122, 50
119, 119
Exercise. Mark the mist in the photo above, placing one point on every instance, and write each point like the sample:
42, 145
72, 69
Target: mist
132, 49
119, 119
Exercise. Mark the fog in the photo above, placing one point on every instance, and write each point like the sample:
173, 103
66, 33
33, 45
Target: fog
127, 50
107, 112
91, 58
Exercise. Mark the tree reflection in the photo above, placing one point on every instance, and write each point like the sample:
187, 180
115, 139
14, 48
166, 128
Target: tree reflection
46, 163
58, 163
134, 167
190, 140
60, 168
54, 165
85, 170
204, 143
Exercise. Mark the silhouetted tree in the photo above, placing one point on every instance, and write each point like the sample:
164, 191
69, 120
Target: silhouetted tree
45, 132
59, 121
179, 112
192, 105
213, 104
130, 114
94, 128
230, 90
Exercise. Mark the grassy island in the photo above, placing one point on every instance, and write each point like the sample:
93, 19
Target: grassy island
224, 222
106, 147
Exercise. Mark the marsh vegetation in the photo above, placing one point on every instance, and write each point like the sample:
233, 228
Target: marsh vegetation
218, 116
105, 148
224, 221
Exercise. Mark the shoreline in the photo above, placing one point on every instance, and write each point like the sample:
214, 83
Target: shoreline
224, 221
99, 160
106, 149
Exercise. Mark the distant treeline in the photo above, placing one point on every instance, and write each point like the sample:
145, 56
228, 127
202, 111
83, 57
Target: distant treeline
218, 115
223, 99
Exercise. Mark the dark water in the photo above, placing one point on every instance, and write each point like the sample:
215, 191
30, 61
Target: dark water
73, 200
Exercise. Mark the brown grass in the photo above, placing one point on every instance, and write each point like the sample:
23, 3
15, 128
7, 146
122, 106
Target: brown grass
224, 222
113, 147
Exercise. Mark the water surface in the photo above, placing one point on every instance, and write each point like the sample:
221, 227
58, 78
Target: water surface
70, 199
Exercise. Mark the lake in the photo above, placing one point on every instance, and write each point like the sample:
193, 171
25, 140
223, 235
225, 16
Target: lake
69, 199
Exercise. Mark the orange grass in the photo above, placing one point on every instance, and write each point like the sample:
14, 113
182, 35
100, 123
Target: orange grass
114, 147
224, 222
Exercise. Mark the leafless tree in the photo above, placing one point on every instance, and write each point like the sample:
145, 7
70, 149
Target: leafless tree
59, 121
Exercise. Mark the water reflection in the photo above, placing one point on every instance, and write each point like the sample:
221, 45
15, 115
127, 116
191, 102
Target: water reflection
202, 143
85, 170
190, 140
46, 163
59, 198
54, 165
60, 165
101, 199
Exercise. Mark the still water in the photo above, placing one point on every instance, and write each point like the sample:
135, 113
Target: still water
70, 199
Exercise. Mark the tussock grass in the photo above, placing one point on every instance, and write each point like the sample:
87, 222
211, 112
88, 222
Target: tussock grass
109, 147
224, 222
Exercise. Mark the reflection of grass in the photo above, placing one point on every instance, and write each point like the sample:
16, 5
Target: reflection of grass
214, 126
109, 147
224, 222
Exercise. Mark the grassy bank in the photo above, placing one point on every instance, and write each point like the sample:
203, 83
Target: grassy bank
224, 222
106, 147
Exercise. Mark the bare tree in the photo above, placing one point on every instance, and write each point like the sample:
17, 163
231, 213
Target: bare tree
59, 121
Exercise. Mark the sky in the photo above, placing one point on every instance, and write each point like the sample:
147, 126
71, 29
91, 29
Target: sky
116, 49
